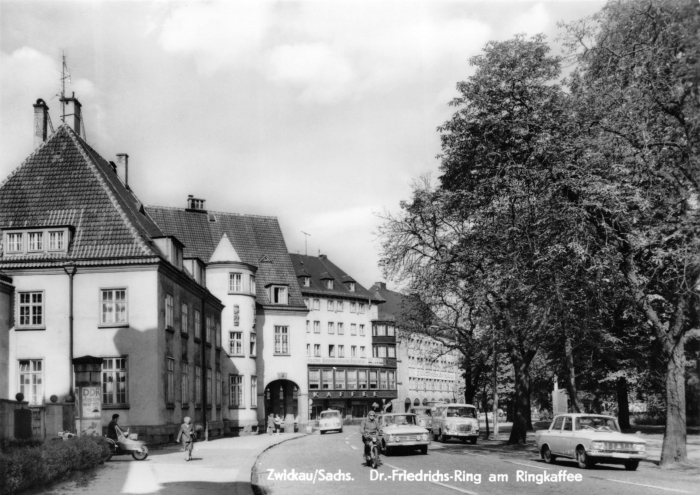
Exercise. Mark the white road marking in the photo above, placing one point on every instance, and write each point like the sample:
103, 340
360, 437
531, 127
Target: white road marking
640, 484
353, 447
461, 490
528, 465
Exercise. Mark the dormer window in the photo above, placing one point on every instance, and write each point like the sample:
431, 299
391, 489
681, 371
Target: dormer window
329, 283
351, 286
278, 294
306, 281
36, 241
57, 241
14, 243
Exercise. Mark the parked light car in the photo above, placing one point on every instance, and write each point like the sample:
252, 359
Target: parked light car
330, 420
455, 420
424, 416
400, 431
590, 439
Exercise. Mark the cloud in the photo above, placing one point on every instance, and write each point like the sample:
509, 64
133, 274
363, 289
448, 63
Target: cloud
218, 35
533, 21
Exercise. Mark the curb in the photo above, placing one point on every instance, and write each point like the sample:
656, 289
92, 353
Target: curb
257, 489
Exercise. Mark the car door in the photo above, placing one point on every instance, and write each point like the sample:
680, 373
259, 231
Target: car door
554, 435
567, 440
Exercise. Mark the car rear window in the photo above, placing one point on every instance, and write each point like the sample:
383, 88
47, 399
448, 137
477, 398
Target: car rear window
331, 414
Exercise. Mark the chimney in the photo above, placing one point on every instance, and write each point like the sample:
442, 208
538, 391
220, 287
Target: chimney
195, 203
72, 108
123, 167
41, 122
381, 285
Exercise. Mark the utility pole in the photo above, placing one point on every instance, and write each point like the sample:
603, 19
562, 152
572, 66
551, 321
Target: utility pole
495, 388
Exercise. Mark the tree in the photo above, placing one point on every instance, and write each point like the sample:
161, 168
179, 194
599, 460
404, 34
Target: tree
636, 94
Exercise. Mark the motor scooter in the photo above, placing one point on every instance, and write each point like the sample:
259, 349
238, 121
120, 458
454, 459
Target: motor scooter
372, 459
127, 444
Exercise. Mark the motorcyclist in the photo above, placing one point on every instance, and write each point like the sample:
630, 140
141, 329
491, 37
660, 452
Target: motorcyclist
112, 428
369, 428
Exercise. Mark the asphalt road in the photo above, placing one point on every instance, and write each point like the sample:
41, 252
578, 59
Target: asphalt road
335, 460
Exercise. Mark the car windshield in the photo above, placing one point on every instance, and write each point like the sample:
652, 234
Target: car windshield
422, 411
461, 412
400, 420
596, 423
330, 414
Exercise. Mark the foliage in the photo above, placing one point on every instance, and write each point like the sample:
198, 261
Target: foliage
24, 467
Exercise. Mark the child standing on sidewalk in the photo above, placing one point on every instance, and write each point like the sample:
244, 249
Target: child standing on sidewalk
187, 434
270, 424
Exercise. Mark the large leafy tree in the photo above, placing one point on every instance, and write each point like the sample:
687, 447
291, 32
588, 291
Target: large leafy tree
636, 95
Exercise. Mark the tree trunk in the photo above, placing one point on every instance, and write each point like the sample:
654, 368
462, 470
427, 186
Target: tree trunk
518, 434
571, 381
674, 448
623, 405
528, 416
469, 389
485, 402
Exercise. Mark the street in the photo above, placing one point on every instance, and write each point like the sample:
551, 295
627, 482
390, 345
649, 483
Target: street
335, 462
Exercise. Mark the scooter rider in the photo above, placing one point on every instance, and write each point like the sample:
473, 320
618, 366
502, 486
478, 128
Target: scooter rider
112, 427
369, 428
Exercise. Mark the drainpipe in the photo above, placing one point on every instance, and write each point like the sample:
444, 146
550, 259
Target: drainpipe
70, 270
204, 374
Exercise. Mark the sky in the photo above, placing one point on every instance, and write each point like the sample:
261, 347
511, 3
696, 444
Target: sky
320, 113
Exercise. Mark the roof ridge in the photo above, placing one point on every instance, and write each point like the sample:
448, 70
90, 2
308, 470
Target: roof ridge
214, 211
108, 190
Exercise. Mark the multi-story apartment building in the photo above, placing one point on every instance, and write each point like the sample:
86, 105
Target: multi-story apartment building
97, 281
349, 369
246, 265
427, 369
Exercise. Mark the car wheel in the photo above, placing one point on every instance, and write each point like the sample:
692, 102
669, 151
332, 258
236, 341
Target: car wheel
473, 440
442, 438
322, 432
140, 455
340, 430
435, 437
388, 451
464, 439
424, 449
631, 465
584, 462
547, 455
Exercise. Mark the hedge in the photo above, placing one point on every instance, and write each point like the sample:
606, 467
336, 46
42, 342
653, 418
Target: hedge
24, 467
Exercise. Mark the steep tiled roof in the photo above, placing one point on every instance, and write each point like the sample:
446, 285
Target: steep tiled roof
257, 240
65, 182
395, 301
320, 268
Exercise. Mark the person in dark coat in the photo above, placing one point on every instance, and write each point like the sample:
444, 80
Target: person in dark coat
112, 428
187, 434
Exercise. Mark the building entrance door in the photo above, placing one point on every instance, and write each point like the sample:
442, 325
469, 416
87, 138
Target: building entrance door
281, 397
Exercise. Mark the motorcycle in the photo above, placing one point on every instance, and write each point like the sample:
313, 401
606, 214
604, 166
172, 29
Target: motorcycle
127, 444
373, 457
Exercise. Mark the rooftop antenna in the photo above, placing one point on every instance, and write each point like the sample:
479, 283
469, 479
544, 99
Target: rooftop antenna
306, 247
65, 74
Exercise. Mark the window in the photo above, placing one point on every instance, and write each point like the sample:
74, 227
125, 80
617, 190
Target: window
361, 309
209, 394
390, 330
253, 344
198, 385
362, 330
392, 380
197, 324
329, 283
341, 329
353, 351
236, 315
382, 351
14, 243
281, 340
218, 389
306, 281
331, 350
185, 385
317, 304
352, 379
383, 380
329, 305
331, 327
327, 379
235, 282
235, 343
314, 379
207, 335
217, 334
236, 390
317, 327
353, 307
341, 351
308, 326
278, 295
353, 329
392, 352
307, 303
31, 380
31, 309
351, 286
317, 350
253, 391
308, 350
114, 380
170, 390
340, 379
339, 306
168, 311
184, 318
363, 354
35, 241
253, 287
56, 241
362, 379
372, 378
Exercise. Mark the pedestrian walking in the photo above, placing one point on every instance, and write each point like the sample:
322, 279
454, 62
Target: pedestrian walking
187, 434
270, 424
278, 424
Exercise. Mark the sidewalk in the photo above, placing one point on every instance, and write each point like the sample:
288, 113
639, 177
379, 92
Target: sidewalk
220, 466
